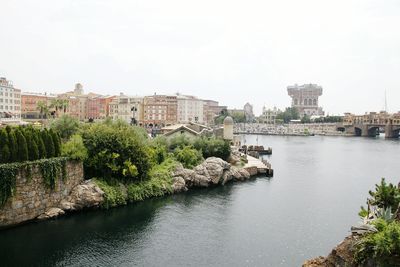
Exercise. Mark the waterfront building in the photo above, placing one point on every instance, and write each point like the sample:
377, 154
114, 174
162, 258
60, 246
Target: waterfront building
190, 109
77, 102
29, 104
125, 108
10, 101
305, 99
160, 110
268, 116
89, 106
98, 107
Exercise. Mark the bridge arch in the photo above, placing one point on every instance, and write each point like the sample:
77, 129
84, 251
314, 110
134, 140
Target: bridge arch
373, 131
396, 132
357, 131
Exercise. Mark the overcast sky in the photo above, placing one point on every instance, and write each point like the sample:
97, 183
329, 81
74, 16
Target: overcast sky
231, 51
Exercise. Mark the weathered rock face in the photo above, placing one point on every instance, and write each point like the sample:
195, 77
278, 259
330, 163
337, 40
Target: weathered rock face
85, 195
341, 256
33, 198
212, 171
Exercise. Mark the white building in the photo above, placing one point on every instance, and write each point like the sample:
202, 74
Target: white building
190, 109
268, 116
126, 107
10, 101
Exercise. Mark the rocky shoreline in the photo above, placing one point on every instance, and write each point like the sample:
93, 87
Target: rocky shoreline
341, 256
212, 172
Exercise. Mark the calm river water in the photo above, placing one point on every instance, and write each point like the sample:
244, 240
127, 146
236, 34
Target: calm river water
303, 212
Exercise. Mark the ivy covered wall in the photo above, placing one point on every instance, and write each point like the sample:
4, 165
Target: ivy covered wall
36, 187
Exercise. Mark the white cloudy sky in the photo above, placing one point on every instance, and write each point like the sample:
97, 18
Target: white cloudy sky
231, 51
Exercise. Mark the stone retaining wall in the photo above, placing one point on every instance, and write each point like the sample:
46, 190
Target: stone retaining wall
33, 198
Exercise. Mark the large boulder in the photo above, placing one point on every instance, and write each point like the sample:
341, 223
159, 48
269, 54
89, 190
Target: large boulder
86, 195
51, 213
212, 171
178, 184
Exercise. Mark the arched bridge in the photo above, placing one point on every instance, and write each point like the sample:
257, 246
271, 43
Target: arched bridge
371, 124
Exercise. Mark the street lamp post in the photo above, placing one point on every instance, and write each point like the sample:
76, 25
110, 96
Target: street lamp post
134, 120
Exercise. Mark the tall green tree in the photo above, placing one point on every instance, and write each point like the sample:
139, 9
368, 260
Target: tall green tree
49, 144
4, 147
57, 142
66, 126
13, 145
22, 146
288, 115
41, 146
33, 151
43, 108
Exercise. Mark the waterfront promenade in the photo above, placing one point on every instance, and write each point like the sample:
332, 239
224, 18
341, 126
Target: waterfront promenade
329, 129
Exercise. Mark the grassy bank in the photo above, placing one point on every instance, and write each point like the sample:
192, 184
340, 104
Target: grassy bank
158, 184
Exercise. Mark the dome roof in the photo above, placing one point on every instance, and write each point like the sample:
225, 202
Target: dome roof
228, 120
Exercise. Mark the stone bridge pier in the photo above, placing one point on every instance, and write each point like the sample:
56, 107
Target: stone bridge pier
392, 131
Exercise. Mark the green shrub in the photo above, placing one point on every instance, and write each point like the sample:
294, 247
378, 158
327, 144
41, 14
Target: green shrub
74, 148
159, 183
213, 147
179, 141
383, 247
112, 193
158, 149
385, 196
115, 151
188, 156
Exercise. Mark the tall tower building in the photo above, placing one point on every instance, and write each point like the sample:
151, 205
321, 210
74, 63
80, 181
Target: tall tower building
305, 99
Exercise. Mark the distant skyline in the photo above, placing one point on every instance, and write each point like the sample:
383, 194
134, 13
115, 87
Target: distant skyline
231, 51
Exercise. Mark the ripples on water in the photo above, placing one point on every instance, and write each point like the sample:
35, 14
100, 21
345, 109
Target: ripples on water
302, 212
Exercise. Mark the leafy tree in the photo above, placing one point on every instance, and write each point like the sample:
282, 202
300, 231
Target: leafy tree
238, 117
288, 115
43, 108
114, 151
66, 126
4, 147
306, 119
385, 196
22, 146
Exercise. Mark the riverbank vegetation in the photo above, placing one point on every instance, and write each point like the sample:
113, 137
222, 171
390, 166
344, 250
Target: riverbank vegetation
382, 244
127, 164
